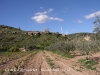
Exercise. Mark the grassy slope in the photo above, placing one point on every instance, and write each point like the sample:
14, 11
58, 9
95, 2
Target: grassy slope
10, 36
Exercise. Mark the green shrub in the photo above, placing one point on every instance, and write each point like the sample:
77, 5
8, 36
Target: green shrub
88, 63
1, 72
62, 46
67, 55
14, 49
49, 61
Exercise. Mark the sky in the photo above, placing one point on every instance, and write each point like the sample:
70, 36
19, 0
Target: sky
63, 16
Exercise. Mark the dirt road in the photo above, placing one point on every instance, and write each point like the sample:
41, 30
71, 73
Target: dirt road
37, 65
71, 66
42, 63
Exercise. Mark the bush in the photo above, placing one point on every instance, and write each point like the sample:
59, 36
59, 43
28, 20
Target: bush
66, 55
14, 49
88, 63
62, 46
3, 49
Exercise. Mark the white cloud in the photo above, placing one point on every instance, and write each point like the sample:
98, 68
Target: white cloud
78, 21
58, 19
41, 7
92, 15
41, 13
42, 17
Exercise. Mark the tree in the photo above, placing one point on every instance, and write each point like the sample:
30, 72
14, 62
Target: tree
97, 24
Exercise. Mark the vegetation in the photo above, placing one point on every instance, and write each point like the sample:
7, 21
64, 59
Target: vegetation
1, 72
97, 24
88, 63
11, 39
13, 49
64, 46
49, 61
85, 47
14, 37
27, 58
66, 55
9, 56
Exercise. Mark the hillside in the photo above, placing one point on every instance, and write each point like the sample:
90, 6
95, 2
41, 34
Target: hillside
10, 36
30, 40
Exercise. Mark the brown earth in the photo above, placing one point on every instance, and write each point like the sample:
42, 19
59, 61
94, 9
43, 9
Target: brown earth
72, 67
11, 64
38, 65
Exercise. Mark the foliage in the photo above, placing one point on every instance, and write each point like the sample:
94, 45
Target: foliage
3, 49
14, 49
82, 45
88, 63
11, 37
97, 24
49, 61
66, 55
61, 46
9, 56
2, 71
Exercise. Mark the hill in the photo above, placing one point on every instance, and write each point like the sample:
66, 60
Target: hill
30, 40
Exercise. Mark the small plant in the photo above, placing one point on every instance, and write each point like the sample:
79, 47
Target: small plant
56, 59
19, 62
1, 72
10, 71
3, 62
27, 58
81, 67
16, 66
50, 62
66, 55
88, 63
43, 52
78, 70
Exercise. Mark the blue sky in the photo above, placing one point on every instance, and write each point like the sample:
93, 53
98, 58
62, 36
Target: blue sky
67, 16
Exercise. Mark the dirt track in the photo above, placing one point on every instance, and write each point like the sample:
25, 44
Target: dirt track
38, 65
62, 66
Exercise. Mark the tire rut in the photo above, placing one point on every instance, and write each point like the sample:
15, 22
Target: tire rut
40, 65
68, 70
35, 64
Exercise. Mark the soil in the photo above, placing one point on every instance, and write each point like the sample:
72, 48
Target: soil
10, 64
38, 65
